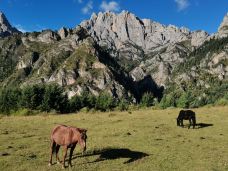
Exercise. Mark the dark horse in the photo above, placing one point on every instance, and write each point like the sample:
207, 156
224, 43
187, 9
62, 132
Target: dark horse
186, 115
67, 137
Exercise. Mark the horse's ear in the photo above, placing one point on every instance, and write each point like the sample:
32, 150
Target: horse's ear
82, 130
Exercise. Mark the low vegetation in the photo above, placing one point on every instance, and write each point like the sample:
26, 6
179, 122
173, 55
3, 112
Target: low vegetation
51, 97
132, 140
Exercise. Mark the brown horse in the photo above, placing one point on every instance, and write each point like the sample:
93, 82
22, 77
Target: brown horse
67, 137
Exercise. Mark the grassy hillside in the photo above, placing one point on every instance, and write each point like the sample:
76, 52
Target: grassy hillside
136, 140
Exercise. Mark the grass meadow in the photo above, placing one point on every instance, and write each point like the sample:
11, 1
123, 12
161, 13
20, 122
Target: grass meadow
140, 140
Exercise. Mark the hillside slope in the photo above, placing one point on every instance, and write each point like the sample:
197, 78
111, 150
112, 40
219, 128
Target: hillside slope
117, 53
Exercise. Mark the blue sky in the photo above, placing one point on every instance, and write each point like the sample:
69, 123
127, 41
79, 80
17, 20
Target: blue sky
35, 15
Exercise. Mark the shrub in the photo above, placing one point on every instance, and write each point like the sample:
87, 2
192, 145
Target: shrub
104, 102
24, 112
91, 101
147, 100
183, 100
75, 104
9, 100
32, 97
54, 98
123, 105
222, 102
168, 101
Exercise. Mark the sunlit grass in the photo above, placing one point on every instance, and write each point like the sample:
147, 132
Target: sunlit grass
137, 140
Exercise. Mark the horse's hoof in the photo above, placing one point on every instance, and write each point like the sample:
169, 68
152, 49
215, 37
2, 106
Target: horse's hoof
49, 164
63, 167
58, 162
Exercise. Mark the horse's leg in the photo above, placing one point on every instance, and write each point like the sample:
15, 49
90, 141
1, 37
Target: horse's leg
194, 122
56, 152
182, 122
53, 144
64, 155
190, 123
71, 153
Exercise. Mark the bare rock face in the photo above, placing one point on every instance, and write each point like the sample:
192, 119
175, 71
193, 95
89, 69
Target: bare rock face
116, 53
117, 29
223, 29
63, 32
198, 38
5, 28
127, 37
48, 36
137, 74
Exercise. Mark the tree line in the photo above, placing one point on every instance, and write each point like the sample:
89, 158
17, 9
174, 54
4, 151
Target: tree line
46, 98
52, 97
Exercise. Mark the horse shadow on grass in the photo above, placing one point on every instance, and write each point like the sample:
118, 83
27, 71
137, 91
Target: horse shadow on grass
203, 125
199, 125
114, 153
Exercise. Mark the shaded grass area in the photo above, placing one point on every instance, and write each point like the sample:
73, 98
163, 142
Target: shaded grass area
137, 140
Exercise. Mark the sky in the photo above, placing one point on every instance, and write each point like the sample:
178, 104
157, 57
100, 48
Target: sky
36, 15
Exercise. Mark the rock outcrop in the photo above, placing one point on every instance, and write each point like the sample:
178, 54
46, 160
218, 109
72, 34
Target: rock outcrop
132, 40
223, 29
117, 53
5, 28
115, 29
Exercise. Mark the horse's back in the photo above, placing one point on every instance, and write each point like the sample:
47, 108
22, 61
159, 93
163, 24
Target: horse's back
181, 114
186, 114
190, 112
58, 129
60, 133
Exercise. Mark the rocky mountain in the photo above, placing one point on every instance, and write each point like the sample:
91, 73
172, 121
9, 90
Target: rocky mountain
5, 28
223, 29
143, 43
118, 53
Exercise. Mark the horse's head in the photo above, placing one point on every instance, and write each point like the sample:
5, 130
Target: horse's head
178, 122
82, 139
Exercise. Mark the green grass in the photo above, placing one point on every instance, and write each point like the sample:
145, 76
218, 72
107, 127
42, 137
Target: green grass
151, 137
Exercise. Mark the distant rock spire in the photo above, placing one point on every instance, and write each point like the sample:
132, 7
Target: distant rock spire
5, 28
223, 28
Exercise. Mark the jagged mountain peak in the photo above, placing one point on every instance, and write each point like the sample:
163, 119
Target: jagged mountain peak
5, 27
115, 30
3, 19
223, 28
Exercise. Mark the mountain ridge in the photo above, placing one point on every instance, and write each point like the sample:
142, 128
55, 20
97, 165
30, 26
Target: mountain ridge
118, 53
5, 28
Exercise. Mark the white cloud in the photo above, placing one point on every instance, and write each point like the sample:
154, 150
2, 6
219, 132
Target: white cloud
87, 9
78, 1
182, 4
111, 6
21, 28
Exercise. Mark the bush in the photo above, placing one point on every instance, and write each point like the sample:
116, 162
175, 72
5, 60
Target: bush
168, 101
183, 100
75, 104
9, 100
222, 102
54, 98
147, 100
123, 105
24, 112
32, 97
91, 101
104, 102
